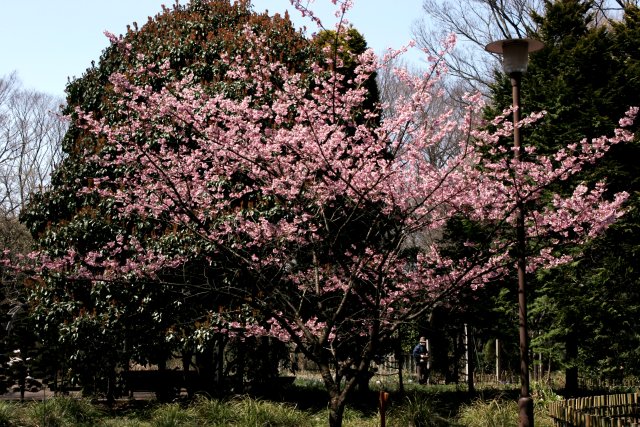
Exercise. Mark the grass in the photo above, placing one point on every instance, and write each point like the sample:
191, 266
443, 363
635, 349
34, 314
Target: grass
303, 405
418, 412
497, 413
493, 413
59, 412
6, 410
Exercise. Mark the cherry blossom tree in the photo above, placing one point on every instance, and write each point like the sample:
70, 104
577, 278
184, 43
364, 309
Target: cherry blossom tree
319, 218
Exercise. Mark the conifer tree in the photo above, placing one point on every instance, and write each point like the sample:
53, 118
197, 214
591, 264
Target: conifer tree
584, 77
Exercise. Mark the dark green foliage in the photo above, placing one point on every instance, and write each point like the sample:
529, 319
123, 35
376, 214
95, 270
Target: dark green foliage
586, 77
343, 49
488, 312
96, 326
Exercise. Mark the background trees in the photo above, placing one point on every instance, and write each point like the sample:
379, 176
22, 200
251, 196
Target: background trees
30, 140
476, 24
30, 135
481, 22
578, 78
583, 78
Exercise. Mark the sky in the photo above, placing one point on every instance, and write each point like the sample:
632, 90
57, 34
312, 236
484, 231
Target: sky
45, 41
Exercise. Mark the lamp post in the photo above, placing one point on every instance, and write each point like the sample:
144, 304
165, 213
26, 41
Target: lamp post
515, 56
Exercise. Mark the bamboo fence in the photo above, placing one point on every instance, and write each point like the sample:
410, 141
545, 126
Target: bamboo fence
616, 410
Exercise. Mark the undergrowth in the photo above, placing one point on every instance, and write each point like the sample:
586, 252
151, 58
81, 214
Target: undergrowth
430, 406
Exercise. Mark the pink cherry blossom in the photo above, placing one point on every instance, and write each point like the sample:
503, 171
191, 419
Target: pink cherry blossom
280, 179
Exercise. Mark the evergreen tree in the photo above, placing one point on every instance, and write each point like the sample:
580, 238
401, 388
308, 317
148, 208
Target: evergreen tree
585, 78
96, 327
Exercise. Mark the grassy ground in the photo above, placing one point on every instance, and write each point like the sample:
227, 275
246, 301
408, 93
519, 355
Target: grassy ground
303, 404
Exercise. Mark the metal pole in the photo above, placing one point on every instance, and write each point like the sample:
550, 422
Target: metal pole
497, 360
525, 403
466, 352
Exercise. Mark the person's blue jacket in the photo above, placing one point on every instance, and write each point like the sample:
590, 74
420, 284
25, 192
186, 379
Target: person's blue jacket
418, 350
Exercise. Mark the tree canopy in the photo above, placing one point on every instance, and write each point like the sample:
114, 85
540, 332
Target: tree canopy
140, 319
226, 177
584, 77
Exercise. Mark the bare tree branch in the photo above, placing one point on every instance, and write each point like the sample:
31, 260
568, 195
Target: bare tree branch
479, 22
30, 143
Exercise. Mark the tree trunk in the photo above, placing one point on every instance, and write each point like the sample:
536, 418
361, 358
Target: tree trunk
163, 391
362, 382
221, 343
400, 359
540, 367
336, 410
454, 373
337, 394
571, 373
468, 341
209, 362
497, 361
22, 378
111, 386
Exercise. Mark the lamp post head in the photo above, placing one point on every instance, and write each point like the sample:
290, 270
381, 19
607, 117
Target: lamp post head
515, 53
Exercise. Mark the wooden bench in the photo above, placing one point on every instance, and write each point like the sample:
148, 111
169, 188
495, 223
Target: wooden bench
165, 384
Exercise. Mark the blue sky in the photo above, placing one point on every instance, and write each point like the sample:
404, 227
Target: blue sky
46, 41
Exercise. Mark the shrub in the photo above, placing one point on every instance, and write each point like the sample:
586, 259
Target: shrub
124, 422
416, 411
494, 413
499, 413
261, 413
7, 412
543, 394
215, 412
173, 415
63, 412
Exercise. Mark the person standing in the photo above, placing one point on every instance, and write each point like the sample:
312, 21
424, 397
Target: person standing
421, 356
